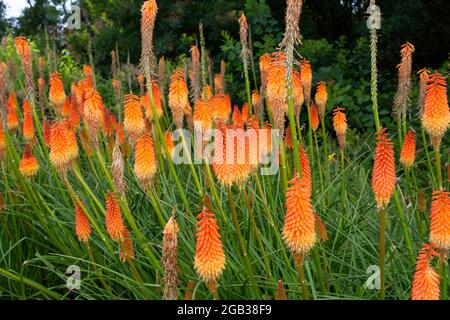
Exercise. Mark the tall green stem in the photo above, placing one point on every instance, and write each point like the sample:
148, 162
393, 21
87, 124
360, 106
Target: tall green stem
382, 252
242, 243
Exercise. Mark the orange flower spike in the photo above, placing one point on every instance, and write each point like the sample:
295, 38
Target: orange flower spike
2, 141
120, 133
169, 143
46, 131
59, 155
340, 126
22, 47
28, 127
321, 98
71, 140
314, 117
306, 73
221, 105
426, 280
276, 80
299, 230
202, 115
126, 247
82, 224
255, 97
157, 100
28, 165
214, 104
207, 92
178, 96
80, 94
306, 168
133, 122
232, 164
218, 83
440, 219
145, 165
73, 89
41, 85
298, 95
280, 293
26, 107
237, 117
57, 95
93, 108
75, 114
264, 63
12, 120
383, 176
66, 109
436, 115
209, 255
245, 113
109, 122
339, 121
114, 222
87, 70
28, 124
408, 152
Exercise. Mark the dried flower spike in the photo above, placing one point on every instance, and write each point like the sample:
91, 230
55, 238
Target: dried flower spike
169, 259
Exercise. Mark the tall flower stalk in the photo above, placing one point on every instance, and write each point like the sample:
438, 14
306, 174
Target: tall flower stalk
245, 55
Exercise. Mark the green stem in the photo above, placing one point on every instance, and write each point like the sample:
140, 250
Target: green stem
425, 146
299, 262
405, 229
382, 252
242, 243
327, 162
256, 232
438, 168
319, 164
